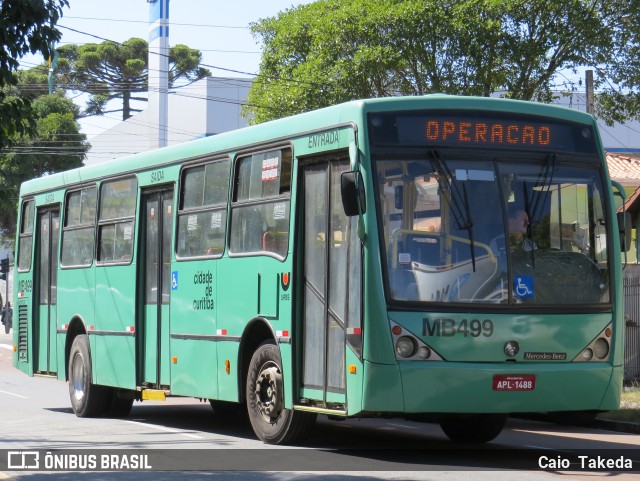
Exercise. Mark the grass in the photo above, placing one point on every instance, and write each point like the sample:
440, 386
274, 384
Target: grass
629, 407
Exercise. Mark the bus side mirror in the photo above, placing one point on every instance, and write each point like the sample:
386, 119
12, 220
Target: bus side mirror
624, 218
624, 227
352, 190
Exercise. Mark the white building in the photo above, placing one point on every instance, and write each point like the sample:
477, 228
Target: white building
207, 107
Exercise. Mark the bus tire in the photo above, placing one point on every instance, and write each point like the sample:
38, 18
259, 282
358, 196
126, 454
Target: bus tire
271, 421
87, 399
474, 428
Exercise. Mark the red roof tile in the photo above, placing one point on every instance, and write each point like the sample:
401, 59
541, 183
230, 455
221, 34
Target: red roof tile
624, 168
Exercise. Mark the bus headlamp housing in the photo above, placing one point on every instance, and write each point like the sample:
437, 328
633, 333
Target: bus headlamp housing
598, 350
409, 347
405, 347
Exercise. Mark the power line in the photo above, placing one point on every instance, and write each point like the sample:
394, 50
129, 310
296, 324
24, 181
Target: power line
120, 20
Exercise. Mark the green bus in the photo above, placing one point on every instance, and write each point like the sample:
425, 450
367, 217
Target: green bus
436, 257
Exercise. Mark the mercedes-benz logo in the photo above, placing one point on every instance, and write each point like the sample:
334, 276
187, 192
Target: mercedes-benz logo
511, 348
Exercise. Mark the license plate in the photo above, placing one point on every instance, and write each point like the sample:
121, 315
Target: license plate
514, 382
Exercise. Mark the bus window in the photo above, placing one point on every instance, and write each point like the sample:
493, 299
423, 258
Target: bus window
26, 236
260, 212
202, 219
79, 227
117, 213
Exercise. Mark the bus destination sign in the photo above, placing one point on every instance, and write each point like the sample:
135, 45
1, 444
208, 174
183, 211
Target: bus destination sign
455, 130
488, 133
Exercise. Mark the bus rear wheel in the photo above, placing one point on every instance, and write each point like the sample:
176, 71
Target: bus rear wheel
271, 421
87, 399
473, 428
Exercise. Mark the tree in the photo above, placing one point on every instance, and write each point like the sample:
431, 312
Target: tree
55, 145
27, 26
111, 70
337, 50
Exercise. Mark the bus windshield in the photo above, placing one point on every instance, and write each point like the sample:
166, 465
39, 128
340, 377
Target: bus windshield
495, 229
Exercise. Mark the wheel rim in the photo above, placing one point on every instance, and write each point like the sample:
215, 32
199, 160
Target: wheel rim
268, 392
77, 377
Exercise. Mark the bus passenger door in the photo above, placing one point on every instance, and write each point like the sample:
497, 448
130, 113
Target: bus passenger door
157, 226
48, 230
331, 262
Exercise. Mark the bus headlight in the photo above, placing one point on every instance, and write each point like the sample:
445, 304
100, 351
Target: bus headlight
405, 346
587, 354
598, 349
424, 352
601, 348
409, 347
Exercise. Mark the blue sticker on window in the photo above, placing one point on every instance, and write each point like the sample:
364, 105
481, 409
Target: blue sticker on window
174, 281
523, 287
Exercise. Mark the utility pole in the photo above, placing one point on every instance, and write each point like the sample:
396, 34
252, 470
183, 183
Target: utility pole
158, 108
589, 86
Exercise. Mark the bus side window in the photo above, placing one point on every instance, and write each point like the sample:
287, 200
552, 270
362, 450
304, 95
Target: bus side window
116, 216
25, 244
260, 210
202, 216
78, 232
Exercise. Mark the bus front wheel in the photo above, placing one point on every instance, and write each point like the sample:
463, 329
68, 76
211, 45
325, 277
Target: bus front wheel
87, 399
473, 428
271, 421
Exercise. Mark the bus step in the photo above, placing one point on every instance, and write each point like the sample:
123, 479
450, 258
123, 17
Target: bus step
154, 395
319, 410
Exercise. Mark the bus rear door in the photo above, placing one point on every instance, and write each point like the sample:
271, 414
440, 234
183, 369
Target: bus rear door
157, 225
48, 231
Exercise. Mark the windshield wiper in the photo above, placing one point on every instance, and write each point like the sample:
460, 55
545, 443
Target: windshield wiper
543, 184
456, 198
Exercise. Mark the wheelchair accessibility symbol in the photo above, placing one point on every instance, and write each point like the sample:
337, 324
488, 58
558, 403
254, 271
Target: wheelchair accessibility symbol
174, 280
523, 287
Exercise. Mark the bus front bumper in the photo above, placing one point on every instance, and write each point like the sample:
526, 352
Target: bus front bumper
439, 387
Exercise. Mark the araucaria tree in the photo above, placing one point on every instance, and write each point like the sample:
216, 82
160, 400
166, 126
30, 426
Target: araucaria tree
332, 51
111, 70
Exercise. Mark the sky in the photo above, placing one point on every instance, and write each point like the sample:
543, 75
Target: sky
219, 29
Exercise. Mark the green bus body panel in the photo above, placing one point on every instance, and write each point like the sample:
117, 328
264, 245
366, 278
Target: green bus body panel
228, 382
194, 372
115, 311
206, 320
354, 382
193, 313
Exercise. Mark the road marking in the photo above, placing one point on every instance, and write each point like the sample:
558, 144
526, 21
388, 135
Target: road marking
165, 429
14, 394
402, 426
7, 346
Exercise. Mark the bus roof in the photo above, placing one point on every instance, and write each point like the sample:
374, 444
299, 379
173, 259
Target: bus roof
292, 127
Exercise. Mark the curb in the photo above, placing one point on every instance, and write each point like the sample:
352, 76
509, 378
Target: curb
621, 426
